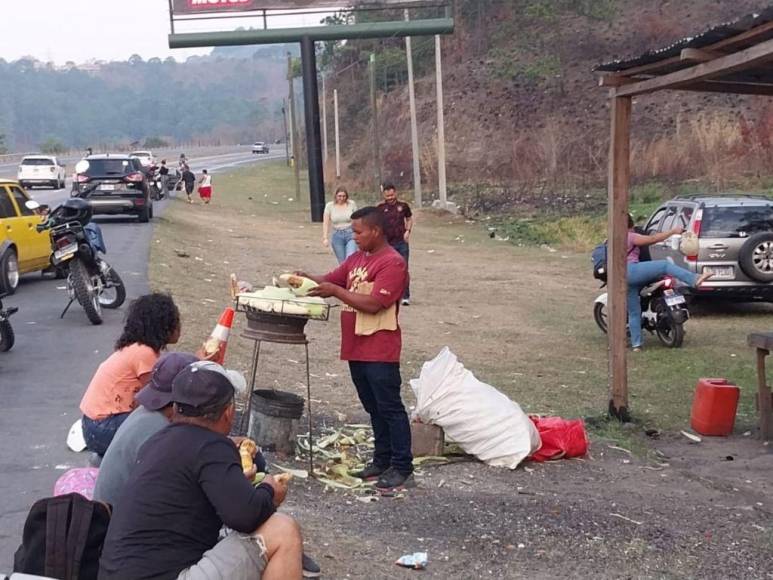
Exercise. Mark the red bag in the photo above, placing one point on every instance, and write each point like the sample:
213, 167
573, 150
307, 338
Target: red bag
561, 438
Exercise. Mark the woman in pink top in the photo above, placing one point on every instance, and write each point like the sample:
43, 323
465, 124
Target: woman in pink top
153, 322
642, 273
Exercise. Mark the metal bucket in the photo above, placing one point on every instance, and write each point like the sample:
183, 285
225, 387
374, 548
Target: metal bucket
274, 419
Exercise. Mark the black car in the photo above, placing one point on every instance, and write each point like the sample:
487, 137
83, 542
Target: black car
115, 184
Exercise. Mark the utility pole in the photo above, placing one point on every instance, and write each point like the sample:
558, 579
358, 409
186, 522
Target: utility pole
338, 148
414, 125
374, 109
286, 136
313, 138
441, 130
293, 128
324, 120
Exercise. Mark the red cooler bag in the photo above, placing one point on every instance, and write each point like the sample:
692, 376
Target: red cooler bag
561, 438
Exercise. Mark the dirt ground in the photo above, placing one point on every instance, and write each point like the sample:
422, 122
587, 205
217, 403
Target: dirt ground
516, 317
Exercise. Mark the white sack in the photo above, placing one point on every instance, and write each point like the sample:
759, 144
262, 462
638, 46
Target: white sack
483, 421
75, 440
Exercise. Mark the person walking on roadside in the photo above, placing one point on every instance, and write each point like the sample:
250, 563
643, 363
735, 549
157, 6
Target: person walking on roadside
642, 273
338, 214
398, 224
205, 187
370, 283
189, 180
163, 171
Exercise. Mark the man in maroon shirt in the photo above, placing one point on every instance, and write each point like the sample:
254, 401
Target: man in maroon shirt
397, 228
370, 283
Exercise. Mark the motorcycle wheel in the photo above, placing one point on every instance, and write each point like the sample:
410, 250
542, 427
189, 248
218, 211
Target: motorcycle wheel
113, 294
670, 333
600, 316
6, 336
85, 292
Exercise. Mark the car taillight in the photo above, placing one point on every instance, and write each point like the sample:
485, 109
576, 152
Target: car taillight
82, 178
696, 229
134, 177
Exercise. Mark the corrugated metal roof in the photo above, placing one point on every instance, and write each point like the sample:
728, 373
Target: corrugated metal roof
711, 36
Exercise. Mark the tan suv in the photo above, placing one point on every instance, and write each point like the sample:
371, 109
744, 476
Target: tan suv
735, 234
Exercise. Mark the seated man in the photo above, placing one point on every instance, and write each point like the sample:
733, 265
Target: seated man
188, 483
153, 414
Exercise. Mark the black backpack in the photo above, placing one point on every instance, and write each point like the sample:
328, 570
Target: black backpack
599, 257
63, 538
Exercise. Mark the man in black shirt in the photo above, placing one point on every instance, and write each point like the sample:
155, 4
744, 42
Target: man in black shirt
163, 171
187, 484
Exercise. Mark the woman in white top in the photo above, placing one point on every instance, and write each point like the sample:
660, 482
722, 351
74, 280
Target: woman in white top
338, 213
205, 186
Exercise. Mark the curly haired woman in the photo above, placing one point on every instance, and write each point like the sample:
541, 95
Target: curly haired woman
152, 323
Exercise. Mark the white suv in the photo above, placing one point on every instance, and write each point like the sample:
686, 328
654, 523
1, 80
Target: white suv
41, 170
145, 157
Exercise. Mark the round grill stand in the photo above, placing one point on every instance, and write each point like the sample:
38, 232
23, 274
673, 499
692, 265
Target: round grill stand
279, 329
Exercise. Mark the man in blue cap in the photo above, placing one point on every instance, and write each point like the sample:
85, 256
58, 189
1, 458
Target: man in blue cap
187, 484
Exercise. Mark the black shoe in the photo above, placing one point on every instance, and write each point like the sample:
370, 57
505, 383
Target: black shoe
371, 471
393, 479
310, 568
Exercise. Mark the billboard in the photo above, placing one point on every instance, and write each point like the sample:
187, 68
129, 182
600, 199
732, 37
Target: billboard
200, 6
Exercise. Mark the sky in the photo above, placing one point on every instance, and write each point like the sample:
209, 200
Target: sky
80, 30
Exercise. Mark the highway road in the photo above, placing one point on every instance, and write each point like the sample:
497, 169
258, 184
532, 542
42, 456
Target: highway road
44, 376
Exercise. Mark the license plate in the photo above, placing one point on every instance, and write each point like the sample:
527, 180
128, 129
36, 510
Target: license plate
107, 187
673, 299
66, 251
723, 272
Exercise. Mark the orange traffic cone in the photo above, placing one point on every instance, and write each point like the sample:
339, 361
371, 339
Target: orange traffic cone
218, 341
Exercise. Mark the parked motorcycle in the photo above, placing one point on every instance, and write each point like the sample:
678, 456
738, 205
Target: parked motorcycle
663, 311
76, 243
156, 187
6, 330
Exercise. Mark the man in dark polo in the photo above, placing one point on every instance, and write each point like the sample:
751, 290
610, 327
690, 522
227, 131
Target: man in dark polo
398, 224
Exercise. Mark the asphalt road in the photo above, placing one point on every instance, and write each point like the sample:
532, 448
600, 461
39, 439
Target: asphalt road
44, 376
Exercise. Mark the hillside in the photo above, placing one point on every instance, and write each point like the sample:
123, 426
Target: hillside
522, 106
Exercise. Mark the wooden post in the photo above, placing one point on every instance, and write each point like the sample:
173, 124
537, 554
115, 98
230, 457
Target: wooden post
294, 131
414, 124
441, 126
619, 177
324, 120
338, 146
763, 397
374, 112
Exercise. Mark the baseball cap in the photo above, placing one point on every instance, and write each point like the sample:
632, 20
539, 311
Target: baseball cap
157, 394
202, 385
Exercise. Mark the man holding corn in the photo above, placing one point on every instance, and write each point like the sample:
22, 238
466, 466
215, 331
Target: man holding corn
370, 283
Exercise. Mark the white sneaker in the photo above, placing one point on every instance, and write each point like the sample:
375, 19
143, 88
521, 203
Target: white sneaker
405, 302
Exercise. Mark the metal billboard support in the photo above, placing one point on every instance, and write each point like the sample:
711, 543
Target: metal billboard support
313, 137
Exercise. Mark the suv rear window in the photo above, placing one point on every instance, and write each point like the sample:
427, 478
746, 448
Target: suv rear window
37, 161
103, 167
736, 222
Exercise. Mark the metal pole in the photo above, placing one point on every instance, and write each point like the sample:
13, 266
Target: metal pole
324, 120
313, 137
294, 129
374, 110
265, 21
338, 146
286, 136
441, 130
171, 16
414, 124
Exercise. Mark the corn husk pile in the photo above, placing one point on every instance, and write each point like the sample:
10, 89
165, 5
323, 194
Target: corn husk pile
340, 451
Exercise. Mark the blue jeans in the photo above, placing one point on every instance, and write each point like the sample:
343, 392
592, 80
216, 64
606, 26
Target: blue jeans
378, 386
343, 244
639, 275
99, 434
404, 250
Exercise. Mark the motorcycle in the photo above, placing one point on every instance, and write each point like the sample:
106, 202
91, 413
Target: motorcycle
156, 187
6, 330
76, 243
663, 311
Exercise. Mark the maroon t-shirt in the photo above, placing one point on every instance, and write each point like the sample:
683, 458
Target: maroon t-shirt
386, 271
395, 215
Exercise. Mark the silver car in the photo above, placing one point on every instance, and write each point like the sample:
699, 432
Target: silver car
735, 234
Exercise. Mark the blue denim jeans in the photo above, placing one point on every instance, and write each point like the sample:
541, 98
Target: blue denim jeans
378, 386
639, 275
405, 251
99, 434
343, 244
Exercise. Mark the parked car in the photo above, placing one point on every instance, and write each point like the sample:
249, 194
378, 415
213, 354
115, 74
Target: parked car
259, 147
114, 184
146, 158
22, 248
735, 234
41, 170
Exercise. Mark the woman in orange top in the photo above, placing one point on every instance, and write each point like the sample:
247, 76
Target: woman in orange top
153, 322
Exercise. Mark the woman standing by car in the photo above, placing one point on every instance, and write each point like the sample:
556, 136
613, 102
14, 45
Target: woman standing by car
153, 322
338, 213
642, 273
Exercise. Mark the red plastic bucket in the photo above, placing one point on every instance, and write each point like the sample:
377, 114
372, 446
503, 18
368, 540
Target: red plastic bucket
714, 407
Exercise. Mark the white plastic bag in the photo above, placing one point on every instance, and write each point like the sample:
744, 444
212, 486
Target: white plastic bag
483, 421
75, 440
